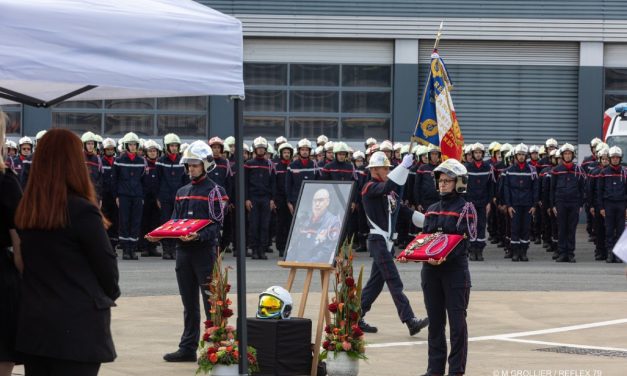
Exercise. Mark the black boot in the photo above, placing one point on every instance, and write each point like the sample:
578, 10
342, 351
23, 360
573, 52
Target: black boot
180, 356
479, 254
523, 254
472, 254
256, 253
133, 254
262, 254
126, 254
610, 258
562, 258
367, 328
508, 254
415, 325
515, 253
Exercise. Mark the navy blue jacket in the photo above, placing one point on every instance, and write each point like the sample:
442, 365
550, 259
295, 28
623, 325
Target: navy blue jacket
108, 184
150, 180
592, 187
280, 168
425, 193
95, 168
589, 163
222, 175
297, 172
567, 184
376, 198
612, 186
545, 186
444, 216
194, 201
171, 177
127, 175
521, 185
481, 183
21, 166
338, 171
259, 178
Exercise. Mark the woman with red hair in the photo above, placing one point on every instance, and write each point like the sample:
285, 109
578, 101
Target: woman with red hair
70, 278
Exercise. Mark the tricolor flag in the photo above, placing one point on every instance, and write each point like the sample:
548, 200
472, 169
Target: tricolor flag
437, 122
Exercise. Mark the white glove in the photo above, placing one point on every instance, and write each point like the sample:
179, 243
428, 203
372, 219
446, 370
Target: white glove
408, 161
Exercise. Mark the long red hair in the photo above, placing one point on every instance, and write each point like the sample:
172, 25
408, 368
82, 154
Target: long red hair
58, 169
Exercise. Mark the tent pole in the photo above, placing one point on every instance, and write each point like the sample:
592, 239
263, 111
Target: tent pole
240, 238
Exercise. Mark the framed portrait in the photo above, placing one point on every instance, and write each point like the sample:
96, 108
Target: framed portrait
319, 222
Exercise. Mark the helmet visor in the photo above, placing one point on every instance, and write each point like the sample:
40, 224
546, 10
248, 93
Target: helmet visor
269, 306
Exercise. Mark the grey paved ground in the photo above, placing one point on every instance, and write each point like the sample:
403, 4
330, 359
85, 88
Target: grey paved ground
153, 276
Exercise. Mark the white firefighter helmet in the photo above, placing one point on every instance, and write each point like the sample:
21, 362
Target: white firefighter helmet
150, 144
379, 159
615, 151
567, 147
521, 149
270, 149
98, 138
505, 148
229, 141
433, 148
340, 147
542, 150
421, 150
534, 149
39, 135
467, 149
130, 138
25, 141
304, 143
141, 143
199, 151
370, 141
260, 142
405, 150
553, 153
285, 145
602, 145
398, 146
477, 146
328, 146
594, 142
319, 150
10, 144
359, 155
322, 139
216, 141
551, 143
246, 148
280, 140
605, 152
275, 303
372, 149
454, 170
184, 147
386, 146
494, 145
108, 143
558, 154
88, 136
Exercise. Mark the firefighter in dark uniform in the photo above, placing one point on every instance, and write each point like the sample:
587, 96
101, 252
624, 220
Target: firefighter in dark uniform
359, 160
93, 161
567, 196
425, 193
588, 163
536, 219
592, 197
196, 253
128, 170
151, 214
379, 201
549, 220
495, 154
520, 196
26, 163
228, 228
446, 283
259, 184
109, 207
300, 170
503, 220
481, 185
25, 145
171, 175
284, 216
223, 176
612, 197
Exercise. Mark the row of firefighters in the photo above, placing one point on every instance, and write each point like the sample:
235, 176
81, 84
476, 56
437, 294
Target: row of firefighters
522, 194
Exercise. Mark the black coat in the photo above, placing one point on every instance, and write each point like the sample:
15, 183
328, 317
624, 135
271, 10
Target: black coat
69, 284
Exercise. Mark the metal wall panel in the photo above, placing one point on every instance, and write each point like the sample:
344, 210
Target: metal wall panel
558, 9
615, 55
318, 51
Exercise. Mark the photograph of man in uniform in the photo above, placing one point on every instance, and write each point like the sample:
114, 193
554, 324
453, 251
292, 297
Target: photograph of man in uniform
316, 232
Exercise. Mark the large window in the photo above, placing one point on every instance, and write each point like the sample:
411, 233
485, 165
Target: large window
14, 125
148, 117
615, 86
305, 100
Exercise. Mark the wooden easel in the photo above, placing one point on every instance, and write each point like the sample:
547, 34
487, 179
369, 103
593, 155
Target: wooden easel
323, 313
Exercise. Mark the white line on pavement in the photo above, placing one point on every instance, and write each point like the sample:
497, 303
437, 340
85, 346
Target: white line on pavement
562, 344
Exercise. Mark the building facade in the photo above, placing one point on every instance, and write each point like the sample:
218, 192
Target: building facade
523, 71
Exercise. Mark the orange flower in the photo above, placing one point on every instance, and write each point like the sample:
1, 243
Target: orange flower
213, 358
228, 301
336, 331
219, 302
340, 307
229, 348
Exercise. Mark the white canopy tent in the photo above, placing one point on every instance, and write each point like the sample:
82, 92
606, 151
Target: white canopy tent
55, 50
116, 49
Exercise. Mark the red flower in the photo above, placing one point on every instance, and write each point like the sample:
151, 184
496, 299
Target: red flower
213, 358
350, 282
227, 288
353, 316
208, 324
333, 307
357, 332
325, 344
327, 329
227, 312
212, 350
206, 337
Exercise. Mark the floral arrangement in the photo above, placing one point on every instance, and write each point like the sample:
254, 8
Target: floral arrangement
344, 333
219, 345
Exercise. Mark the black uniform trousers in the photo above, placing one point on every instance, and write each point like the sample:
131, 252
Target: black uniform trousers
111, 212
589, 220
228, 228
42, 366
554, 232
284, 221
521, 225
599, 230
567, 219
536, 223
546, 225
193, 272
151, 219
260, 223
446, 293
130, 211
493, 221
384, 271
481, 227
614, 222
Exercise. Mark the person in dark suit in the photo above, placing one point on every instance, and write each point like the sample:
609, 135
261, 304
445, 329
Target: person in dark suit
70, 279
